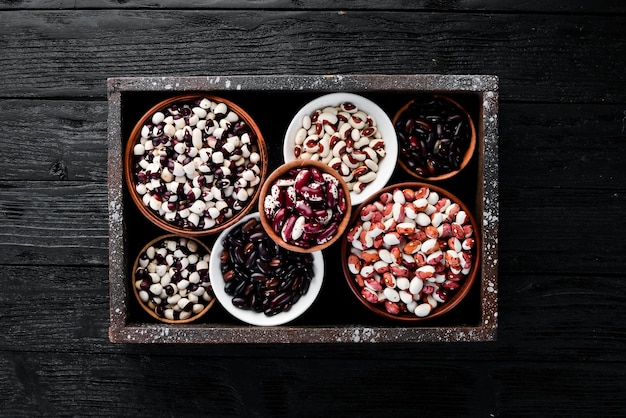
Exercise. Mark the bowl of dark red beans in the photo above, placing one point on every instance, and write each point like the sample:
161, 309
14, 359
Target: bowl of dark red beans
411, 252
171, 279
194, 164
259, 282
436, 137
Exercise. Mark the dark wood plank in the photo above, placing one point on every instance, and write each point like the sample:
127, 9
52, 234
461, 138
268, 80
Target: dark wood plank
561, 290
564, 140
68, 308
66, 223
558, 142
538, 57
552, 237
550, 145
574, 6
584, 388
67, 142
53, 223
138, 385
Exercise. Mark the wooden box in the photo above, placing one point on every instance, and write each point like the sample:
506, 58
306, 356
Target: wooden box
336, 316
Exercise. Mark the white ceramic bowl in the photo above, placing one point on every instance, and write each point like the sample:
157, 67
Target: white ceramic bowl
387, 164
259, 318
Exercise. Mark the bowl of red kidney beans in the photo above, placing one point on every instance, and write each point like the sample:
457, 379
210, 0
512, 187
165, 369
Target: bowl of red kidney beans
436, 137
259, 282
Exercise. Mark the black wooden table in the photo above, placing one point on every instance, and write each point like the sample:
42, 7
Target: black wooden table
562, 124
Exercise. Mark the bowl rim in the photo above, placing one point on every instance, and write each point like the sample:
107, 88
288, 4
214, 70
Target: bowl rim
136, 292
458, 295
383, 121
129, 172
277, 173
467, 157
259, 318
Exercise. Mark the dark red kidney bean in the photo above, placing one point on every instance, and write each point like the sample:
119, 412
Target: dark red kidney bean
263, 266
280, 299
327, 233
229, 276
257, 236
272, 283
260, 275
240, 302
251, 260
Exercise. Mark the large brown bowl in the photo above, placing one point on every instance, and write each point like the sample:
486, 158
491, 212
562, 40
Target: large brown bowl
441, 309
204, 250
130, 175
467, 156
281, 172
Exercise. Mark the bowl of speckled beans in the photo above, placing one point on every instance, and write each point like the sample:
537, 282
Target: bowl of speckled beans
351, 134
304, 206
194, 164
170, 279
411, 252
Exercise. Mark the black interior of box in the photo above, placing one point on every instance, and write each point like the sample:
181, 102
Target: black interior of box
273, 111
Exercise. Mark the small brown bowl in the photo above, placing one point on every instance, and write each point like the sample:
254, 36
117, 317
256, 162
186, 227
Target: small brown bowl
142, 285
178, 226
342, 217
454, 297
420, 170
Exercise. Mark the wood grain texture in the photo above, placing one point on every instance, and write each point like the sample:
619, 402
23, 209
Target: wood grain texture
538, 57
566, 141
68, 310
62, 384
570, 7
53, 223
561, 323
50, 221
66, 223
67, 142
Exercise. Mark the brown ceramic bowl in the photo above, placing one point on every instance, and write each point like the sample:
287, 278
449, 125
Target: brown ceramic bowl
141, 280
441, 157
293, 167
454, 297
212, 223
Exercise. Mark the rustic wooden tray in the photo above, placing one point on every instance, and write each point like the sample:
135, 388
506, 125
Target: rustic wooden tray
336, 317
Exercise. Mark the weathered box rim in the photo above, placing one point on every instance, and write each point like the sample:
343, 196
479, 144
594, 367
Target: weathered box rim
123, 331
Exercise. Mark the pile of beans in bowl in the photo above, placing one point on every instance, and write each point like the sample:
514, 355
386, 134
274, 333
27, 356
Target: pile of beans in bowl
410, 250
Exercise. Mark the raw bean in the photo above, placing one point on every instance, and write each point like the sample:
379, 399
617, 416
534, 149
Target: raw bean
348, 141
198, 162
180, 274
433, 136
305, 207
271, 279
414, 265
